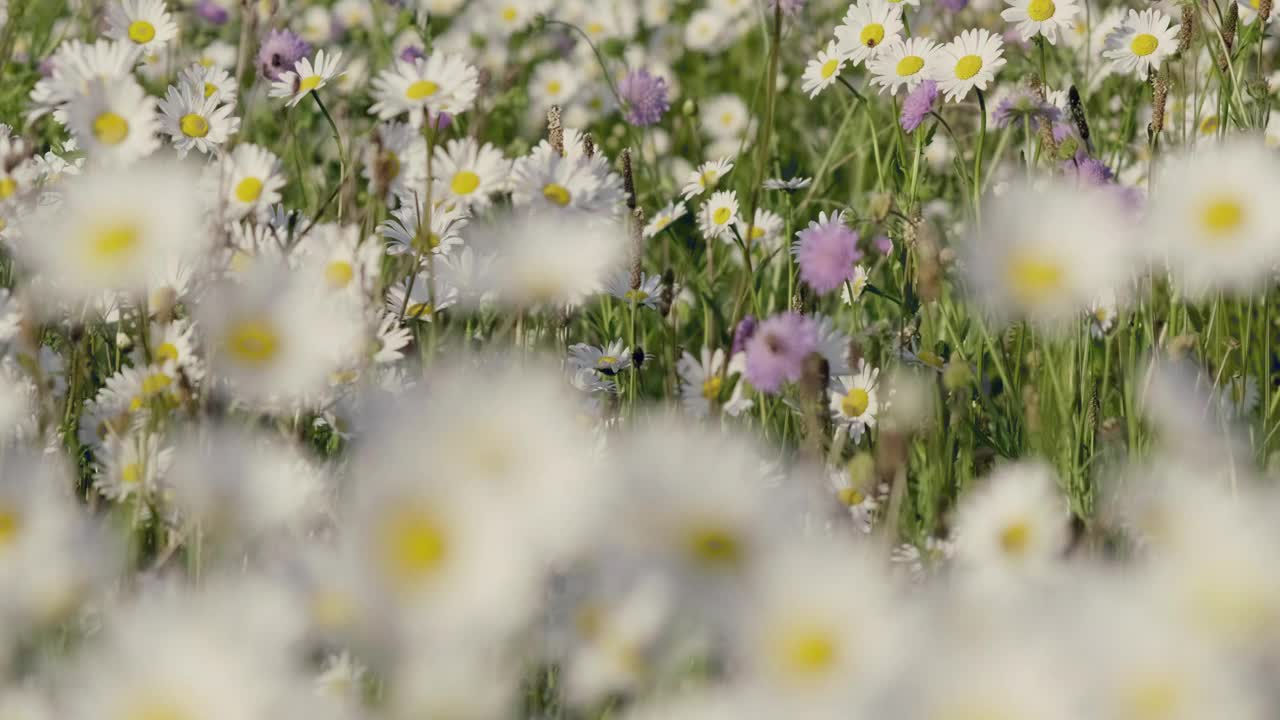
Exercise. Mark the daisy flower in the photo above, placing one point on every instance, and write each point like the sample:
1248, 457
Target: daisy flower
554, 83
1015, 523
115, 122
548, 181
858, 284
826, 252
867, 26
1041, 17
470, 173
196, 122
969, 61
776, 351
132, 466
854, 401
144, 23
252, 178
823, 71
210, 82
306, 77
903, 63
610, 359
395, 161
72, 68
420, 300
788, 185
1142, 42
724, 117
706, 177
441, 83
1211, 219
403, 230
702, 380
648, 294
765, 230
718, 215
852, 494
663, 218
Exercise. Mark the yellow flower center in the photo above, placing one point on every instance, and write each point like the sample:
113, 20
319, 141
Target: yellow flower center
557, 194
1015, 538
209, 89
1209, 125
510, 13
8, 186
726, 119
1032, 277
829, 68
806, 651
851, 496
1153, 699
10, 524
112, 243
142, 32
249, 190
968, 66
110, 129
167, 352
421, 89
608, 360
595, 28
714, 546
464, 183
872, 35
1222, 216
855, 403
390, 165
193, 125
339, 274
721, 215
155, 382
307, 84
1144, 44
414, 546
1040, 10
554, 87
253, 342
910, 65
418, 311
131, 474
636, 295
711, 387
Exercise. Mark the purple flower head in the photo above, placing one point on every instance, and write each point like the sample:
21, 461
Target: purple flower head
741, 334
953, 5
645, 96
882, 244
211, 11
919, 102
440, 121
826, 252
777, 349
412, 53
1024, 105
280, 51
789, 7
1087, 170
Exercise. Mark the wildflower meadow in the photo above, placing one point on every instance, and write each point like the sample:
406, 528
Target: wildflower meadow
639, 359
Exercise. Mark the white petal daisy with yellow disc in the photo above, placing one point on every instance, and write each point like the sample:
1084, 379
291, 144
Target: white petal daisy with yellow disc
969, 61
1041, 17
195, 122
468, 173
143, 23
1142, 42
307, 77
867, 26
823, 71
251, 180
115, 122
903, 63
441, 83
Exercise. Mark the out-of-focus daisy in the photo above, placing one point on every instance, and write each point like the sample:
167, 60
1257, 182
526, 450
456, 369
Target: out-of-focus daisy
903, 63
196, 122
868, 25
791, 184
718, 215
1016, 523
405, 234
554, 83
823, 71
706, 177
132, 466
441, 83
852, 292
1040, 17
1102, 314
1142, 42
145, 23
609, 359
969, 61
854, 400
724, 117
115, 122
306, 77
547, 181
251, 180
646, 295
420, 299
210, 82
662, 219
470, 173
766, 230
702, 381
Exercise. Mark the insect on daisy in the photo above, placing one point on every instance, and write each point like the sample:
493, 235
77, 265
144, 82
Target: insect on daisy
1142, 42
823, 71
868, 25
1041, 17
969, 61
903, 63
306, 77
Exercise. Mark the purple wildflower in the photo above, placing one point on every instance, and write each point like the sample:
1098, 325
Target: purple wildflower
826, 252
953, 5
919, 102
213, 12
789, 7
645, 96
412, 53
741, 334
882, 244
1024, 105
280, 51
777, 349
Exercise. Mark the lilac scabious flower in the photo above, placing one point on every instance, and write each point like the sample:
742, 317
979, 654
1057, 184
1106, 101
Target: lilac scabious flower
789, 7
1024, 105
280, 51
826, 252
882, 244
953, 5
777, 349
645, 96
412, 53
212, 11
741, 334
919, 102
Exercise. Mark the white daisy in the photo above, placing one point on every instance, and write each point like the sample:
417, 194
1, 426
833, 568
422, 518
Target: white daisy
702, 381
1016, 523
115, 122
196, 122
969, 61
548, 181
858, 284
766, 230
251, 180
1142, 42
469, 173
706, 177
724, 117
1041, 17
867, 26
903, 63
610, 359
424, 299
441, 83
144, 23
395, 161
306, 77
210, 82
132, 466
854, 400
662, 219
823, 71
718, 215
647, 294
554, 83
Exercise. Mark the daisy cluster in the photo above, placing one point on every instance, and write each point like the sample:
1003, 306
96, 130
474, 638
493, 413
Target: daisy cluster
406, 359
